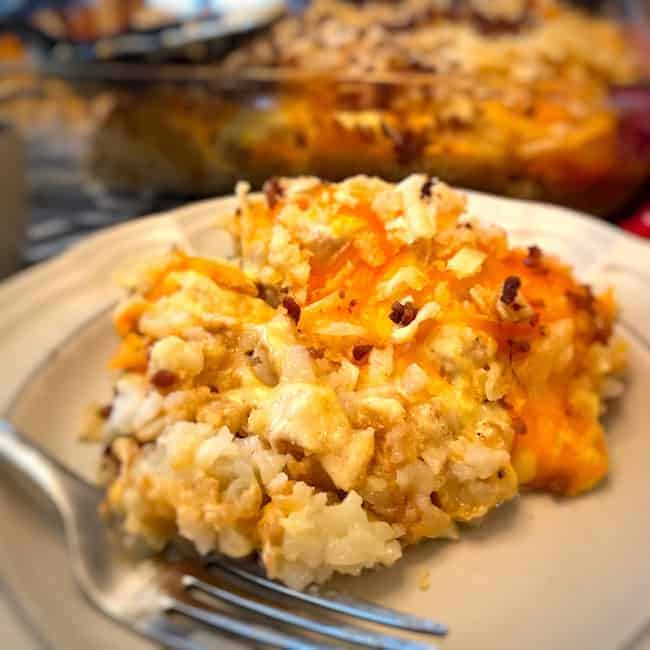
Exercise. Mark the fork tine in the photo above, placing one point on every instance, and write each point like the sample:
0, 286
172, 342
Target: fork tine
163, 631
348, 633
244, 629
337, 602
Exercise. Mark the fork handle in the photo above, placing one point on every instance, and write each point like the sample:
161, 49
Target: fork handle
35, 463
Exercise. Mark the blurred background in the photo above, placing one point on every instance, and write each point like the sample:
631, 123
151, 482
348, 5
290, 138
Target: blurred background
112, 109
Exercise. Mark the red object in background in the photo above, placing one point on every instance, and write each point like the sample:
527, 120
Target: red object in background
633, 105
639, 224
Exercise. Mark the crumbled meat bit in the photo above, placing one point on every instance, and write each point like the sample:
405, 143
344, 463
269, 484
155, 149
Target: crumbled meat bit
249, 353
360, 352
410, 312
425, 192
519, 426
403, 313
396, 312
534, 257
105, 411
164, 378
353, 303
292, 307
316, 353
510, 288
268, 293
273, 192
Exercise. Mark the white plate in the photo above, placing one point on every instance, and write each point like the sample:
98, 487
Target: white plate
541, 573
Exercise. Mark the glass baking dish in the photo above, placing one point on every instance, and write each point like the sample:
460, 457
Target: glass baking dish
193, 130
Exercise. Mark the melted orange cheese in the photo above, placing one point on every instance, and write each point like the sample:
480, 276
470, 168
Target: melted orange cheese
556, 448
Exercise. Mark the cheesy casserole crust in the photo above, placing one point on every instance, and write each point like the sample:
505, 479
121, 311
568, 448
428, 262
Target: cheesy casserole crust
376, 367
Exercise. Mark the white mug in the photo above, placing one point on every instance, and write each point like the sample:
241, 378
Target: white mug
12, 200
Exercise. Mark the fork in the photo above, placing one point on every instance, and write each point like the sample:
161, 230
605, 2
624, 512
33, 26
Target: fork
165, 601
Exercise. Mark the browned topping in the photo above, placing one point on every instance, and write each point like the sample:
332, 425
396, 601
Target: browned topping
583, 299
292, 307
268, 293
494, 26
360, 352
110, 463
538, 303
403, 313
408, 144
316, 353
510, 288
521, 346
534, 320
519, 426
352, 305
425, 192
534, 257
287, 447
164, 378
603, 330
105, 411
501, 473
273, 192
